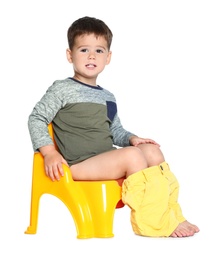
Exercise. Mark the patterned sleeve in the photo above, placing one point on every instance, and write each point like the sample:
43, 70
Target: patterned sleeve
120, 135
41, 115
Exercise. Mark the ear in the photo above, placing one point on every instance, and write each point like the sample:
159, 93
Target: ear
109, 57
69, 55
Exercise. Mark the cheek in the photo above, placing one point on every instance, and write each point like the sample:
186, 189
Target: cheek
105, 62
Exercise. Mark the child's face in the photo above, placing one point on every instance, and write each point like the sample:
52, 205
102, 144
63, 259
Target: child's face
89, 56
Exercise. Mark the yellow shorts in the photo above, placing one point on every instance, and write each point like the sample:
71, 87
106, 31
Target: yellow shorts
148, 194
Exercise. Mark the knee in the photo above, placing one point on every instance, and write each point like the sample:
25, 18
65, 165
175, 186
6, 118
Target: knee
152, 153
135, 156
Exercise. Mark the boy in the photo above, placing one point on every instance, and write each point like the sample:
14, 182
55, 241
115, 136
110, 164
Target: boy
86, 128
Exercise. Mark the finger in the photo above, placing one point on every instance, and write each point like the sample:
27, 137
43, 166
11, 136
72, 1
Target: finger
60, 168
56, 174
46, 171
50, 173
153, 142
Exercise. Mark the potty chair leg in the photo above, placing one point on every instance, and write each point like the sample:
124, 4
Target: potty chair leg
67, 191
102, 197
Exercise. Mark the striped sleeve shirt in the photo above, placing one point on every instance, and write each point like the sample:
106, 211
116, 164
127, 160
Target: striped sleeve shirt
84, 118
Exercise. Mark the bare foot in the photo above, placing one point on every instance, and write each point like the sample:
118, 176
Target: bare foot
185, 229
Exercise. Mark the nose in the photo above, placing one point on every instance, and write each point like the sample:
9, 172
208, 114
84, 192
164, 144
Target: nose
91, 55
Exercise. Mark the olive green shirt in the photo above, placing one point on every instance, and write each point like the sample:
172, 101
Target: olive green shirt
84, 118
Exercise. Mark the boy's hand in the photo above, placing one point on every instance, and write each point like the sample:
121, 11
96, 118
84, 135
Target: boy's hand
135, 141
53, 161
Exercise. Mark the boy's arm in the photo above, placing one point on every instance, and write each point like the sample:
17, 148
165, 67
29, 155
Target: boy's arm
120, 135
42, 114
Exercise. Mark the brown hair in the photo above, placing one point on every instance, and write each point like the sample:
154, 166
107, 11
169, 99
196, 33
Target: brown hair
88, 25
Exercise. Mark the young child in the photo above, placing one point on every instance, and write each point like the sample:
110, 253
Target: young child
87, 128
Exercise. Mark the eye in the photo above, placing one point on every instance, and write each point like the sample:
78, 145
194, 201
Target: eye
84, 50
99, 51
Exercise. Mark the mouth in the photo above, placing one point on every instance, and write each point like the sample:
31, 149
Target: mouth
91, 65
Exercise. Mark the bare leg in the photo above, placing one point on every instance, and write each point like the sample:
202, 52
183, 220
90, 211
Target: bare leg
110, 165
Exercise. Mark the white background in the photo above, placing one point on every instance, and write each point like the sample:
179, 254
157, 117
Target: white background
165, 75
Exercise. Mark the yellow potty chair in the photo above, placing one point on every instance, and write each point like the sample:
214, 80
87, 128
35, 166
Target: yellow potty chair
91, 203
